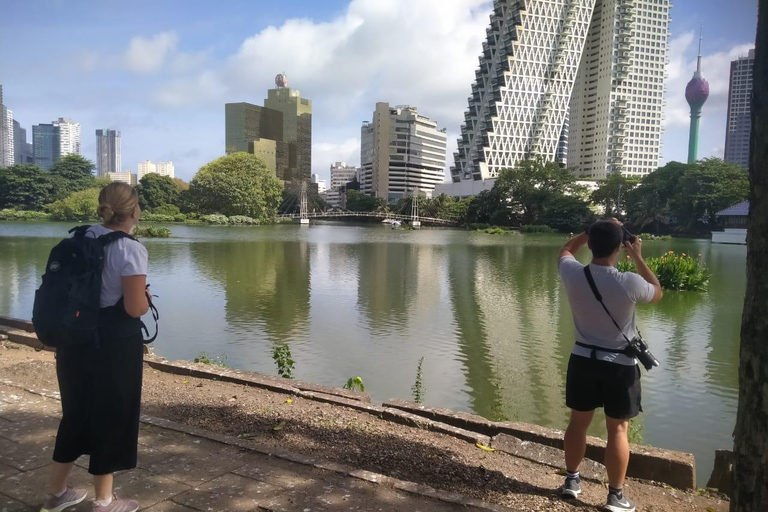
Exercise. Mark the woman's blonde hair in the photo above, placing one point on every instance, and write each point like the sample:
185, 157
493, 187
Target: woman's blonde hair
117, 201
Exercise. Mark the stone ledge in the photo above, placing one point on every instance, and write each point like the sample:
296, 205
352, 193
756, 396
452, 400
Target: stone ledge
674, 468
414, 420
22, 336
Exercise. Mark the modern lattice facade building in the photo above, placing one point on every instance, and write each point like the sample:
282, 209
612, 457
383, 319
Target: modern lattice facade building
740, 111
600, 62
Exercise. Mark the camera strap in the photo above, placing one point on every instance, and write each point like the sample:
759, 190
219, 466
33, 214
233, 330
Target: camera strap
599, 298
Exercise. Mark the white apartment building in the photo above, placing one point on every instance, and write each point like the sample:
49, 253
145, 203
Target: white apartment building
341, 174
401, 152
321, 184
69, 136
739, 126
6, 134
123, 177
161, 168
598, 63
144, 168
166, 169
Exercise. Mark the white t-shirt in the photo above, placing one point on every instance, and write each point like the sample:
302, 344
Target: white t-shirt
122, 258
621, 291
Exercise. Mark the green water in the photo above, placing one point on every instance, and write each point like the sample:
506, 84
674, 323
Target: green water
486, 312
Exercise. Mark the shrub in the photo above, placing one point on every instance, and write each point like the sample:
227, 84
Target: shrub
494, 230
204, 358
284, 361
355, 384
675, 271
167, 209
152, 232
215, 218
157, 217
242, 220
11, 214
648, 236
533, 228
80, 206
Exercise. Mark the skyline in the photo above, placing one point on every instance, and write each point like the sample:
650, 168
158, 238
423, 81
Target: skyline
162, 77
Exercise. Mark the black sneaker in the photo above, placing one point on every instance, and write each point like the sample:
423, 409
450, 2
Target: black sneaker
571, 488
616, 504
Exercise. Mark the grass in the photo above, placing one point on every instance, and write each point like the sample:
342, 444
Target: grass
675, 271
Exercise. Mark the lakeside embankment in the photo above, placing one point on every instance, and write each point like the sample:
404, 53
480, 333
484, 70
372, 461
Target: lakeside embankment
315, 424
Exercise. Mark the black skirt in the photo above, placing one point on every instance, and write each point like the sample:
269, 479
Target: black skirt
101, 397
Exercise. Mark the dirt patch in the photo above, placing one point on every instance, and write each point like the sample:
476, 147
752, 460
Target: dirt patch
360, 440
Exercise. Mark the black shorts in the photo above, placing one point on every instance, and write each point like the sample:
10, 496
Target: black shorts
592, 383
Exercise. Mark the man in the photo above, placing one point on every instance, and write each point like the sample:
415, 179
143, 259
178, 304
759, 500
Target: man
603, 378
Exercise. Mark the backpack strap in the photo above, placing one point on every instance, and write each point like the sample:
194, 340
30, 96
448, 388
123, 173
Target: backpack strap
114, 236
79, 231
596, 293
155, 317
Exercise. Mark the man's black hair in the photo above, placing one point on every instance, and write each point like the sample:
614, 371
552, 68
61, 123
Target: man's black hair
604, 237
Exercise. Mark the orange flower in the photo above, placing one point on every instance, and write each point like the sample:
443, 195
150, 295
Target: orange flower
671, 252
683, 255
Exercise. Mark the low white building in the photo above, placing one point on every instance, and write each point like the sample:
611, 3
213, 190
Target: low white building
161, 168
123, 177
734, 220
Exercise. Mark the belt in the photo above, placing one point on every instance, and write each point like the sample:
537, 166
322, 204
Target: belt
595, 349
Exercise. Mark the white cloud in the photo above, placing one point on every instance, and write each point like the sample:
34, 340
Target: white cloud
145, 55
325, 153
421, 53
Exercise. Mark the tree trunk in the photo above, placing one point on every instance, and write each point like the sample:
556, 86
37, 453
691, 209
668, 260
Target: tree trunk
750, 486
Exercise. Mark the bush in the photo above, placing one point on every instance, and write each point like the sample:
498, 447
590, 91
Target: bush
494, 230
675, 271
536, 229
167, 209
648, 236
158, 217
215, 218
79, 206
11, 214
242, 220
151, 232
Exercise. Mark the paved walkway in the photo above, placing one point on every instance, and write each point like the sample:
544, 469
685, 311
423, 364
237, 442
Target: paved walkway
182, 473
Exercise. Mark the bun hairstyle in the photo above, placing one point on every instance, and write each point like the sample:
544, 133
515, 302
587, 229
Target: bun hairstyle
117, 202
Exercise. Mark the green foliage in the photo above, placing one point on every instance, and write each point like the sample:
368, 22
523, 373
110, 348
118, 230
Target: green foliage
159, 217
648, 236
359, 202
635, 432
355, 384
686, 196
181, 185
155, 191
494, 230
567, 214
215, 218
242, 220
74, 173
610, 191
674, 271
236, 184
536, 228
170, 210
204, 358
27, 187
11, 214
79, 206
284, 361
151, 232
418, 387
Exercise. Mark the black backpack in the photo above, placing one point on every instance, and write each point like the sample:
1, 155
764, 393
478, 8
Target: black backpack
66, 308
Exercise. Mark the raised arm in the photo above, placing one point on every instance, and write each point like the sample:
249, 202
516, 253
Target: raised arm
573, 245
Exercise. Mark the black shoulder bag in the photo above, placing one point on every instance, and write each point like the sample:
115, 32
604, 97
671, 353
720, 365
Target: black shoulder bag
636, 347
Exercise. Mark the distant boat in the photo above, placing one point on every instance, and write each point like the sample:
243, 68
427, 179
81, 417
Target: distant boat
388, 221
396, 224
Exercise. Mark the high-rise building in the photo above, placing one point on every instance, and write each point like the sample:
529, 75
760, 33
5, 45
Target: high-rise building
6, 134
69, 136
108, 152
280, 132
401, 152
341, 174
321, 184
45, 145
601, 63
696, 93
22, 150
166, 169
739, 111
144, 168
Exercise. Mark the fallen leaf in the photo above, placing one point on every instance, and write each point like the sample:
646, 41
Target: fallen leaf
185, 382
279, 426
248, 435
288, 401
485, 448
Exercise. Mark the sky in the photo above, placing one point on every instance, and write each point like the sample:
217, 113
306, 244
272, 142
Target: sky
161, 71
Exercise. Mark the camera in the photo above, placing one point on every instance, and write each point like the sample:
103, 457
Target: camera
639, 349
628, 237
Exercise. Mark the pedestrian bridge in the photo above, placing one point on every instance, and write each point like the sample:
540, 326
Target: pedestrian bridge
376, 215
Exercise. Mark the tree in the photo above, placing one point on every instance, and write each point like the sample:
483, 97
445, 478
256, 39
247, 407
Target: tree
750, 488
359, 202
79, 206
236, 184
73, 173
26, 187
181, 185
567, 214
156, 190
530, 184
611, 191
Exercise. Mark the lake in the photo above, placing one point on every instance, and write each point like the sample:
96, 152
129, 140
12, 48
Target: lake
487, 313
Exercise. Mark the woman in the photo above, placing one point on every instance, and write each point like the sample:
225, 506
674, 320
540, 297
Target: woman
101, 385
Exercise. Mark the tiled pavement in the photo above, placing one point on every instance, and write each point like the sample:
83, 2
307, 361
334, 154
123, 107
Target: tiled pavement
178, 472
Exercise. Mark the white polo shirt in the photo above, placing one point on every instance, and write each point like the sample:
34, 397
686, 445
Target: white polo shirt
621, 291
122, 258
